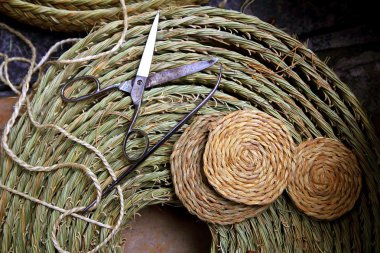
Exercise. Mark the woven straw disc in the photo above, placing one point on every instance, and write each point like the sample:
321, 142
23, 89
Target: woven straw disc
327, 179
248, 157
191, 185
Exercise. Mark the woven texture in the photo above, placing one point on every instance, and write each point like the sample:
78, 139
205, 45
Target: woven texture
264, 69
248, 157
191, 185
327, 179
79, 15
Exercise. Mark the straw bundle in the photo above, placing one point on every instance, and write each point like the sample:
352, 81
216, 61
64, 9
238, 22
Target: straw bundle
80, 15
327, 180
264, 69
248, 157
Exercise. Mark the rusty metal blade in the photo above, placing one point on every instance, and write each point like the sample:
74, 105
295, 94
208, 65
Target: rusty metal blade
175, 73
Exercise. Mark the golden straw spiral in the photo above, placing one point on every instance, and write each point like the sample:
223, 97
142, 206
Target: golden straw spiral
191, 185
248, 157
327, 179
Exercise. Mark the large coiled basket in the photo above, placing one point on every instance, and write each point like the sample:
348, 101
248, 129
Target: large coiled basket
264, 69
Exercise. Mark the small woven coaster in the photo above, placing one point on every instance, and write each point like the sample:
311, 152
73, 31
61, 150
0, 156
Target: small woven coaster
191, 185
248, 157
327, 179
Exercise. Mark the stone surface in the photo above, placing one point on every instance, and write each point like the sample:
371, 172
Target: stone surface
167, 230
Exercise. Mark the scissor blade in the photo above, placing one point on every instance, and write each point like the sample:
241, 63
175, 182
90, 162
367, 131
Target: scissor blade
146, 59
170, 74
175, 73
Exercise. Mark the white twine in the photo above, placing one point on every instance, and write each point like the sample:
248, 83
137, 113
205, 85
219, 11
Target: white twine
25, 84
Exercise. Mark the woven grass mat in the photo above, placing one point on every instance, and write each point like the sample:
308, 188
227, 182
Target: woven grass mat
264, 69
80, 15
327, 180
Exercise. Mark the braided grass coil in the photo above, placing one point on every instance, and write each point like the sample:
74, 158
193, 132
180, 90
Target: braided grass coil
191, 185
264, 69
80, 15
248, 157
327, 179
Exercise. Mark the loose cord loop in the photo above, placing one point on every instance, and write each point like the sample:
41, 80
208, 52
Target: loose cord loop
23, 99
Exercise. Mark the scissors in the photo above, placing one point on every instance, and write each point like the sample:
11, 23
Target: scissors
135, 88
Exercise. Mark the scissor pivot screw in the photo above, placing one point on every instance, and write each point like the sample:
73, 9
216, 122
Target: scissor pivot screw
139, 82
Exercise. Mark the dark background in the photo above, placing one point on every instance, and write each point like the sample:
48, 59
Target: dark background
344, 34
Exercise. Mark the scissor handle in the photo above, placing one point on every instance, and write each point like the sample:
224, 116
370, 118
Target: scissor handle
146, 140
95, 93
